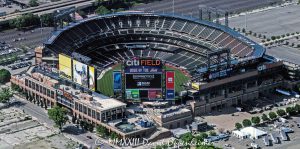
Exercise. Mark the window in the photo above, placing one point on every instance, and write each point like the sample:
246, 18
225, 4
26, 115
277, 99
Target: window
89, 112
93, 114
33, 85
98, 116
37, 87
76, 106
79, 107
52, 94
26, 82
48, 92
29, 84
44, 90
84, 110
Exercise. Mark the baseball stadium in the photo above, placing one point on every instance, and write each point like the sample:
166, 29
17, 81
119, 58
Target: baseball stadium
182, 43
139, 62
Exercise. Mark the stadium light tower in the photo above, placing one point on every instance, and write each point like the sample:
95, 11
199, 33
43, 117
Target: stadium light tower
173, 6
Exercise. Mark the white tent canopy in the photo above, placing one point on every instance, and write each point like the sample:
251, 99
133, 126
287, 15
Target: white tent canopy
239, 134
249, 132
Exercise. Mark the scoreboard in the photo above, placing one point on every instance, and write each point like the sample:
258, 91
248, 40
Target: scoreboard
143, 79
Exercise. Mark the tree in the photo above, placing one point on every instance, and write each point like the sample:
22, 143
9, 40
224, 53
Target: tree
101, 130
113, 136
247, 123
58, 115
291, 110
264, 117
243, 30
33, 3
5, 95
102, 10
255, 120
47, 19
4, 76
187, 138
238, 126
273, 37
212, 133
272, 115
203, 135
25, 20
280, 112
297, 108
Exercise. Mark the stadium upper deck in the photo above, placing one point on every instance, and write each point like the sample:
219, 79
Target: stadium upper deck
168, 37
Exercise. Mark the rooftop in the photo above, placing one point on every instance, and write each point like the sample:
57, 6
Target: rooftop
95, 100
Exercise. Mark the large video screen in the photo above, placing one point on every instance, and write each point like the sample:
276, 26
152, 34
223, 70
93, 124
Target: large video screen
92, 82
80, 73
65, 67
143, 81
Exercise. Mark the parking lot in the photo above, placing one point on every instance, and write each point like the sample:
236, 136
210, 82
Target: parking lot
272, 22
291, 143
21, 131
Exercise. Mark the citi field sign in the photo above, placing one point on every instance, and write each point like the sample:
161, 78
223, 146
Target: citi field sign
143, 62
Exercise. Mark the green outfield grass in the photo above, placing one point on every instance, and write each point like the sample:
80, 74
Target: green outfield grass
105, 84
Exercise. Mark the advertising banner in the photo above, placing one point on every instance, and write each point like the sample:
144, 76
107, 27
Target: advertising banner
170, 85
170, 81
92, 82
132, 94
170, 94
80, 74
117, 79
65, 67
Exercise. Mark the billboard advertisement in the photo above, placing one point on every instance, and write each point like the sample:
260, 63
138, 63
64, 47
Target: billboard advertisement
92, 82
170, 94
170, 85
80, 73
170, 81
143, 81
117, 80
65, 67
133, 94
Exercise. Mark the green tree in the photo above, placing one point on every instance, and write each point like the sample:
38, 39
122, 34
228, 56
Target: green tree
113, 136
58, 115
4, 76
47, 19
101, 130
5, 95
291, 110
101, 10
272, 115
200, 137
297, 108
280, 112
238, 126
246, 122
255, 120
212, 133
187, 138
264, 117
33, 3
25, 20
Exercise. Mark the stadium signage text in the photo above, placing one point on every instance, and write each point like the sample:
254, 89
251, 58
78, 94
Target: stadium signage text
143, 62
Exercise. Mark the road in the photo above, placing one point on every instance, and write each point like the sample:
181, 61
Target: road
32, 38
69, 131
